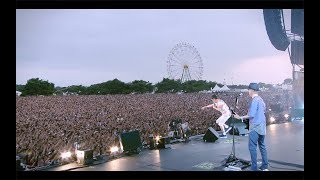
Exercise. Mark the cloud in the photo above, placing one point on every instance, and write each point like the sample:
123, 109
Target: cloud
271, 69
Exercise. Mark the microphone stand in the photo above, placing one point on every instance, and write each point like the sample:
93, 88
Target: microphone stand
232, 160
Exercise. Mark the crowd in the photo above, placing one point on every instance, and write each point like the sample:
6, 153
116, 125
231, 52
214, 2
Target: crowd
49, 125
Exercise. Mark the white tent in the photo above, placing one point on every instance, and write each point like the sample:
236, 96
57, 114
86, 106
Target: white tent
18, 93
224, 88
216, 88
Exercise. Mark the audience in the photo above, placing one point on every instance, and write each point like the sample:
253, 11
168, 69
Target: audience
47, 126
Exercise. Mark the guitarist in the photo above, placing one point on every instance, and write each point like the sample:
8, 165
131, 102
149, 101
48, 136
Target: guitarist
257, 128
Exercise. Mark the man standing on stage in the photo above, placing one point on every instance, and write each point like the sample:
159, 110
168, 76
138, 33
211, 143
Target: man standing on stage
257, 128
222, 107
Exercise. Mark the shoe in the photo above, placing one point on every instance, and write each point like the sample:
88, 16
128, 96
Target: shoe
260, 169
229, 128
222, 136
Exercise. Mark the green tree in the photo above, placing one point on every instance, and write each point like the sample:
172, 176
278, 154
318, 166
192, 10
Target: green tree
196, 86
168, 85
287, 81
140, 86
110, 87
36, 86
78, 89
19, 87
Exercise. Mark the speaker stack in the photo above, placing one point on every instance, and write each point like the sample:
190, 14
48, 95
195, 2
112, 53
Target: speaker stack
275, 29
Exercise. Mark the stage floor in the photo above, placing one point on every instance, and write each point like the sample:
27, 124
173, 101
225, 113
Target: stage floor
285, 145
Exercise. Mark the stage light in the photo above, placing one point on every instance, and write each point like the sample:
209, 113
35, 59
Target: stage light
269, 109
157, 138
65, 155
114, 149
272, 119
286, 116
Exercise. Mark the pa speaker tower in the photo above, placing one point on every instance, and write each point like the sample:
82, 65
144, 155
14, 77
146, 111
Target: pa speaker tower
297, 21
275, 30
297, 52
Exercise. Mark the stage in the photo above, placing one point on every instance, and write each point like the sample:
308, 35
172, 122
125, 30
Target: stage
285, 145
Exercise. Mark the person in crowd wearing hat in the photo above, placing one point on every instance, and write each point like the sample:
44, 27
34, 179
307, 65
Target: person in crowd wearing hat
223, 108
257, 128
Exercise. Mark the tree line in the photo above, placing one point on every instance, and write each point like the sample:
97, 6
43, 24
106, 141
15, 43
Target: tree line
36, 86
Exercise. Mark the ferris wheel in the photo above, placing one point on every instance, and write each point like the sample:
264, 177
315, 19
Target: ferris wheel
185, 63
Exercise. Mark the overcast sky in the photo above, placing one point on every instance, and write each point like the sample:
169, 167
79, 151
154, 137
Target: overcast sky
73, 47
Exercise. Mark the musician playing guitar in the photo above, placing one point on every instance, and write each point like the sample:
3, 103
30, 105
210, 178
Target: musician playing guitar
257, 127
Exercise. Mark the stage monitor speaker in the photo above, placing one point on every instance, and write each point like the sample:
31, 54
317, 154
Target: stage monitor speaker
85, 157
130, 141
211, 135
240, 128
230, 121
18, 165
275, 30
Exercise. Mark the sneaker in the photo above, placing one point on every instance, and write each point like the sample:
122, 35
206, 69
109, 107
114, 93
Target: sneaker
222, 136
228, 129
260, 169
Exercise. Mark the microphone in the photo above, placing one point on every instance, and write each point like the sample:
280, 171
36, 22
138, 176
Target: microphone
237, 99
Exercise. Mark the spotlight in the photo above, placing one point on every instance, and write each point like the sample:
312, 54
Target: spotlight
272, 119
157, 138
65, 155
269, 109
114, 149
286, 116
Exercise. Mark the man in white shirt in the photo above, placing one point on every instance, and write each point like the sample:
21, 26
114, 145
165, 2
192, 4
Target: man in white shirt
222, 107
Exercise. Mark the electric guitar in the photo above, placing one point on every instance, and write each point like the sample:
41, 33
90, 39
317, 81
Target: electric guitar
244, 119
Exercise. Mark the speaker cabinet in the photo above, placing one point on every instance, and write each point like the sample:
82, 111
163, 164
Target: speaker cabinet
297, 52
130, 141
211, 135
84, 157
240, 128
297, 21
18, 165
275, 29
